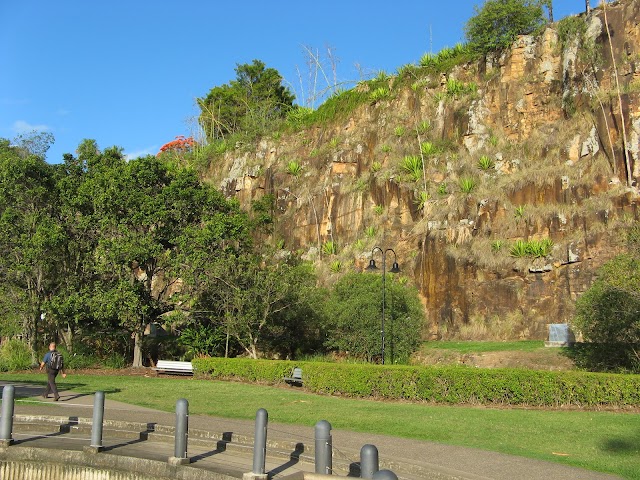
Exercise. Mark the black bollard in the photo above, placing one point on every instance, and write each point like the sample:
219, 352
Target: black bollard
98, 417
369, 464
260, 445
324, 448
385, 475
182, 433
6, 422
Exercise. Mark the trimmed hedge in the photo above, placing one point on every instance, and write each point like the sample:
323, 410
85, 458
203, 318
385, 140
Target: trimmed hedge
447, 385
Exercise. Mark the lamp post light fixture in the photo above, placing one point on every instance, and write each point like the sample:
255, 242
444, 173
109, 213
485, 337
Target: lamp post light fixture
394, 269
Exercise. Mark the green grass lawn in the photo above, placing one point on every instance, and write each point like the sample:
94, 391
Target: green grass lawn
602, 441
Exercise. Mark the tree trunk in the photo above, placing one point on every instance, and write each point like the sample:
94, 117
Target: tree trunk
226, 345
67, 337
550, 8
137, 350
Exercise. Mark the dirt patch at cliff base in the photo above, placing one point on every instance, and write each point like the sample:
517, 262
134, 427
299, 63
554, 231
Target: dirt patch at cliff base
547, 359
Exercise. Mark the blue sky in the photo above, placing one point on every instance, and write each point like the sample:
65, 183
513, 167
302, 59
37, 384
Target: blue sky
127, 73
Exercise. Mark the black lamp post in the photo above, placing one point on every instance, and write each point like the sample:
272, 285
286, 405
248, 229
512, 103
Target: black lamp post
394, 269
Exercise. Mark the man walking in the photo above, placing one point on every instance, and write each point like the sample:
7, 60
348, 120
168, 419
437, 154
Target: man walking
54, 362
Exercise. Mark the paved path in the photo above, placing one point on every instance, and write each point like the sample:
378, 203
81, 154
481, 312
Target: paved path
410, 459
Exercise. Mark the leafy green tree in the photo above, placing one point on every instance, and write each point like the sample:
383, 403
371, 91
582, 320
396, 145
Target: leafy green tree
498, 23
353, 316
251, 103
133, 228
298, 329
151, 213
31, 237
69, 307
607, 314
257, 300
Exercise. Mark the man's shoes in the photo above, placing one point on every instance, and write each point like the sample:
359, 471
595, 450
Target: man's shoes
56, 398
45, 396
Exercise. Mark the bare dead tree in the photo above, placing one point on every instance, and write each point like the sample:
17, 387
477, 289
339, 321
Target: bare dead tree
549, 5
331, 225
302, 97
625, 144
424, 167
333, 63
319, 66
592, 86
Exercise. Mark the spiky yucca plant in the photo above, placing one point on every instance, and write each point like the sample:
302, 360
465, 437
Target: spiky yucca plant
294, 168
412, 164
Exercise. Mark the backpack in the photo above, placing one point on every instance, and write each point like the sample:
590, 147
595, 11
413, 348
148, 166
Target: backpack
56, 362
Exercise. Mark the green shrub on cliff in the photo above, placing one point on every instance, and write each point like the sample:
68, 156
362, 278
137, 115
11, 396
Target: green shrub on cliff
499, 22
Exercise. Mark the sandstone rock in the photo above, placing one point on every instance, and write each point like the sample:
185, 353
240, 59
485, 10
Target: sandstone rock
573, 150
634, 148
521, 104
572, 254
591, 145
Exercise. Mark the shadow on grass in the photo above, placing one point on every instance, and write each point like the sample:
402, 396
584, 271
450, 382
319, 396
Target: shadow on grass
626, 445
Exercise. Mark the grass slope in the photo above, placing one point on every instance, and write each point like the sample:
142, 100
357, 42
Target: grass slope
602, 441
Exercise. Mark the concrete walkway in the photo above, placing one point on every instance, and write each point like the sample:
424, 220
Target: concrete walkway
228, 447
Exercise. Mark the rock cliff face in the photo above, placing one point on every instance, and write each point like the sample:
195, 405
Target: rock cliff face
527, 146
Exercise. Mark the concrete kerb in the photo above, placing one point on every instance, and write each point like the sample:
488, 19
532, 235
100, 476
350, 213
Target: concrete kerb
67, 461
155, 432
242, 444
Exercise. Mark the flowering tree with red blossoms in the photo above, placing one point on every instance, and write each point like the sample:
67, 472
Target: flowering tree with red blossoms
181, 144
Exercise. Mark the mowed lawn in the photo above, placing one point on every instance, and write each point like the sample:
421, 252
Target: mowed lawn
597, 440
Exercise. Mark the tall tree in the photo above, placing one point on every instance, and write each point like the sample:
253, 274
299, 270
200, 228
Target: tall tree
498, 23
133, 226
31, 237
252, 298
251, 103
149, 209
34, 143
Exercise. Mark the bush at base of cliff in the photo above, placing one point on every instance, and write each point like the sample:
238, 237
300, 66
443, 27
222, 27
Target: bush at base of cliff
605, 357
607, 316
353, 314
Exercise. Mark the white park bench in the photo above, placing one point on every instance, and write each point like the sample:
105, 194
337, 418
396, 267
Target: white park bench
175, 367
